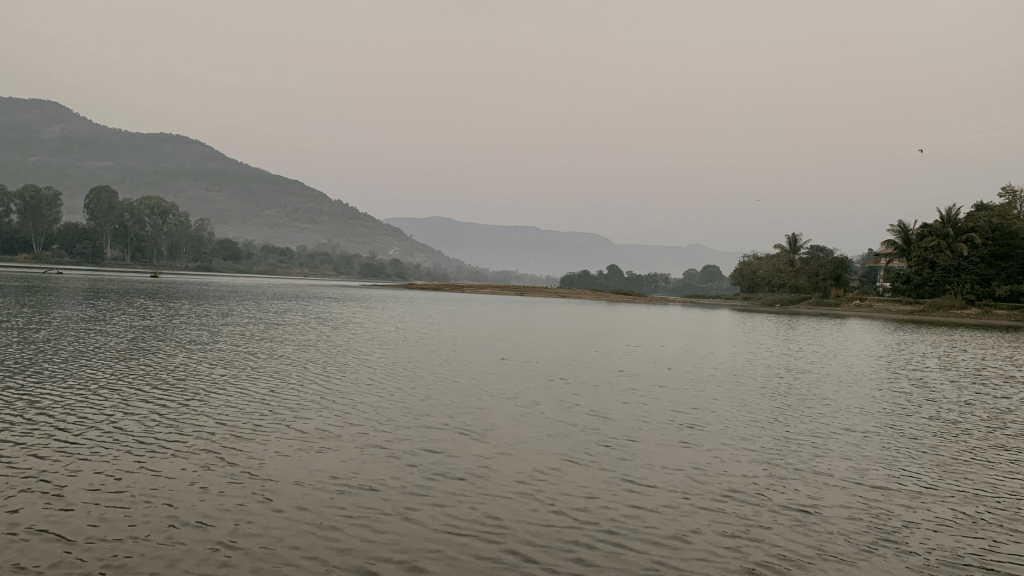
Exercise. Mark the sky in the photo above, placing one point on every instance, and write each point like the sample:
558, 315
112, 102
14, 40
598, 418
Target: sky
727, 124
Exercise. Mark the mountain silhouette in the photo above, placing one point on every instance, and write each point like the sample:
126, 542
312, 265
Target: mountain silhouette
537, 251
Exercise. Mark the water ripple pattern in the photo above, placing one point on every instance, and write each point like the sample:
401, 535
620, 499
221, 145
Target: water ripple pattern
256, 426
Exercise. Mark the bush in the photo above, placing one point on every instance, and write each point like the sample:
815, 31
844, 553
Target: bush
945, 303
783, 299
1010, 294
823, 303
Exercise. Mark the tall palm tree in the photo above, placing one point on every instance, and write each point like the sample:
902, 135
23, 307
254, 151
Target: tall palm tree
952, 235
794, 246
904, 235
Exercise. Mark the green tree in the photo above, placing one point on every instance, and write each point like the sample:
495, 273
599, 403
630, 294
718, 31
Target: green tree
227, 249
6, 213
950, 233
177, 228
711, 274
794, 245
131, 230
1013, 197
822, 270
102, 210
39, 212
759, 272
904, 236
200, 241
159, 216
78, 241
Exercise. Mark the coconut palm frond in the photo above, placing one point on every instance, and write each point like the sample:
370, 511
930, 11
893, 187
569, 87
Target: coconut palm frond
904, 236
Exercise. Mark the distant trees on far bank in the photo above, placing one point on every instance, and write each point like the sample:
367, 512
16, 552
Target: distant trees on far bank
708, 280
155, 231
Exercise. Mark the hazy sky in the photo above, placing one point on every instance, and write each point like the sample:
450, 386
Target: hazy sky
644, 121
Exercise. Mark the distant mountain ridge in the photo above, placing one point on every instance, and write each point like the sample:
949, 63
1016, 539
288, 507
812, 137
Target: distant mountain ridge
537, 251
46, 143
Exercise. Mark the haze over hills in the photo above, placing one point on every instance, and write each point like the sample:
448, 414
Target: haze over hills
46, 143
531, 249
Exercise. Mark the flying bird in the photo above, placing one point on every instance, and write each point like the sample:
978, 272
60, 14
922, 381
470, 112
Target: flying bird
920, 150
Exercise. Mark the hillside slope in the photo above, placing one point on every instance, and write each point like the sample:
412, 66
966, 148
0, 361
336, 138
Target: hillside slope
48, 144
537, 251
524, 248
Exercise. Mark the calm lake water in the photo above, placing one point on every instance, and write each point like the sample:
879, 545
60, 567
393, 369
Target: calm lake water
252, 426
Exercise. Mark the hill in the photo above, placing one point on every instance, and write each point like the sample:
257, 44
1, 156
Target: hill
531, 249
48, 144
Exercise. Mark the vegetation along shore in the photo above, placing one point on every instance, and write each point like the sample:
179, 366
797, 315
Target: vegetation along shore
939, 310
154, 232
963, 266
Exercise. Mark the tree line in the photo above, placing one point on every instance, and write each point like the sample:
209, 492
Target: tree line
155, 231
975, 256
149, 229
707, 280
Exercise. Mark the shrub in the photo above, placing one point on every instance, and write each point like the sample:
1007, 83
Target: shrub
823, 303
1011, 294
944, 304
782, 299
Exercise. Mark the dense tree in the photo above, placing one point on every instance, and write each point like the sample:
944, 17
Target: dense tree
1013, 198
78, 241
819, 270
39, 212
707, 281
102, 210
6, 217
131, 227
760, 272
794, 245
823, 271
227, 249
904, 236
712, 274
159, 219
950, 233
199, 242
975, 256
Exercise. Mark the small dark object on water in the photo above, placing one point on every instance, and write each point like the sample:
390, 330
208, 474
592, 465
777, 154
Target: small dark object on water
155, 274
54, 270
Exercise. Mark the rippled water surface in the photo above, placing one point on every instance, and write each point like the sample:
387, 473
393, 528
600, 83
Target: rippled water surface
255, 426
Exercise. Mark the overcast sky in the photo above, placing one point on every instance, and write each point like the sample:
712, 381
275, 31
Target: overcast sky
722, 123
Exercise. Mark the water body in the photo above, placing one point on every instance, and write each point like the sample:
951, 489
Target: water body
254, 426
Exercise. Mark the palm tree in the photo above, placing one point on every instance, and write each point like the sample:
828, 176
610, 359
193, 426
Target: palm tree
794, 246
951, 234
902, 242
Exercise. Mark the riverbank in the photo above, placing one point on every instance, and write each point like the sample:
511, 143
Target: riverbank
865, 307
133, 270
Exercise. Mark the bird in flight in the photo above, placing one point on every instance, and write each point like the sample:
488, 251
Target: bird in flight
921, 151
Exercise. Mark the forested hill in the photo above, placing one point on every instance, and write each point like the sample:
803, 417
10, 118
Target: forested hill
45, 143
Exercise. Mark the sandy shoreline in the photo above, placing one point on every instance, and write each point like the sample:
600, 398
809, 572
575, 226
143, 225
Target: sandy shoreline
867, 308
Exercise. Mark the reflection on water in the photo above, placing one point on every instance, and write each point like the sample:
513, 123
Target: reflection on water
240, 426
